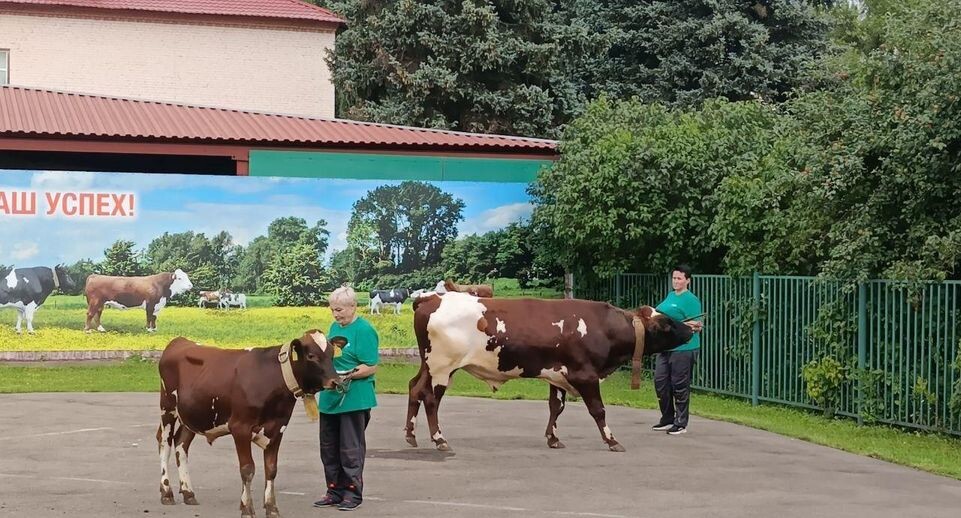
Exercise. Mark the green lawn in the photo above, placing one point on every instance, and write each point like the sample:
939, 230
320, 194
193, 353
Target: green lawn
930, 452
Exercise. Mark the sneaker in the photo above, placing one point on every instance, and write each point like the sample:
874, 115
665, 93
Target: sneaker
348, 505
328, 500
677, 430
661, 427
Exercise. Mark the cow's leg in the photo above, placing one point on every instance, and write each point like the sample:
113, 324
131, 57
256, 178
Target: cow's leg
556, 403
28, 313
242, 436
19, 319
433, 395
165, 441
591, 392
181, 451
151, 318
270, 473
415, 394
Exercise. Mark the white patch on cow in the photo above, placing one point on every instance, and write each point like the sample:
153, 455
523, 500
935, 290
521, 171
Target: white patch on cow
164, 455
654, 313
181, 283
182, 469
437, 436
28, 311
320, 340
413, 421
607, 434
26, 280
283, 428
558, 378
116, 305
560, 397
440, 288
101, 329
269, 493
174, 393
582, 327
457, 343
12, 279
560, 325
162, 303
501, 326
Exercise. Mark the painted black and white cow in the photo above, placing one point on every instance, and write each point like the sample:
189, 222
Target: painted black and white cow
394, 297
233, 299
26, 289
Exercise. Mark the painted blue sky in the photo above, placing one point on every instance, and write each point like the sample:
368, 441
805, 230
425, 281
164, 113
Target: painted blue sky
243, 206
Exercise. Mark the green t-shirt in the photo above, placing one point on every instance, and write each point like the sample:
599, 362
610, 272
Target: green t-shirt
362, 343
683, 307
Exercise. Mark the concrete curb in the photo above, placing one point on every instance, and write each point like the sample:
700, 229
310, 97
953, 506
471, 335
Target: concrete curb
407, 355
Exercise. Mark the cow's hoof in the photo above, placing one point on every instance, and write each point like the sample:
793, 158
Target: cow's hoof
190, 499
273, 513
443, 446
556, 444
411, 440
618, 448
167, 500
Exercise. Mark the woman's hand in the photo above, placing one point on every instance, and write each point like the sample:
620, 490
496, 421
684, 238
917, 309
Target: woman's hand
360, 372
695, 325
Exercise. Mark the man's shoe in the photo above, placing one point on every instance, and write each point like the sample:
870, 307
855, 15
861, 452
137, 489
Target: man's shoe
677, 430
328, 500
660, 427
348, 505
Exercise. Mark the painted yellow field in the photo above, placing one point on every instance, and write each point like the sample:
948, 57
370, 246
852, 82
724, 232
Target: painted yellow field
59, 327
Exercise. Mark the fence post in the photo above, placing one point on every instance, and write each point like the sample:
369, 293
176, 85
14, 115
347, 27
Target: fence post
617, 289
756, 341
862, 344
568, 285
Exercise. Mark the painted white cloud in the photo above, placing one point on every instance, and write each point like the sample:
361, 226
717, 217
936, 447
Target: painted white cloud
496, 218
24, 250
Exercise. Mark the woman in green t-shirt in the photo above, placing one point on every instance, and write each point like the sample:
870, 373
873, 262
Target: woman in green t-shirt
345, 412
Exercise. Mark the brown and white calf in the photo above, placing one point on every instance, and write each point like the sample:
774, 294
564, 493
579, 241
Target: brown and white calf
152, 293
570, 344
247, 394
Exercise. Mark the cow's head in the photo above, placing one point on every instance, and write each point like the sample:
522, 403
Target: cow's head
67, 283
313, 360
180, 282
661, 332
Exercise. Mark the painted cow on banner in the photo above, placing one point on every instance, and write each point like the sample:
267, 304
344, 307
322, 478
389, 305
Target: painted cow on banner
570, 344
26, 289
151, 293
394, 297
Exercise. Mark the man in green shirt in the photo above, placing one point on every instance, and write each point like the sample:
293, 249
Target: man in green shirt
673, 369
344, 413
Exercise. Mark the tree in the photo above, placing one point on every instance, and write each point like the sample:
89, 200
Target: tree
79, 271
635, 187
296, 277
120, 259
412, 222
683, 52
490, 66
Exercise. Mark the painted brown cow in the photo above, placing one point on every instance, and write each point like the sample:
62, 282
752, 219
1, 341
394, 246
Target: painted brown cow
571, 344
248, 394
151, 293
477, 290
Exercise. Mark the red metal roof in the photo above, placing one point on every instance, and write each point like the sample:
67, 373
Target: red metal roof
284, 9
37, 112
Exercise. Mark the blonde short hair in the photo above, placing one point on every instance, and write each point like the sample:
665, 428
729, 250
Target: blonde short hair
344, 295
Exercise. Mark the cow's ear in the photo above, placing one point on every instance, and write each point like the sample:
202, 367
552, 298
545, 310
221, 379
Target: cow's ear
644, 312
339, 342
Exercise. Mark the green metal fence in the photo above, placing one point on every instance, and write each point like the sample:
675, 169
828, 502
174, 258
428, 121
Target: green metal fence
897, 343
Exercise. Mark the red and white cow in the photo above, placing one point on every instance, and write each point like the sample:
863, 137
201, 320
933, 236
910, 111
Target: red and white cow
570, 344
